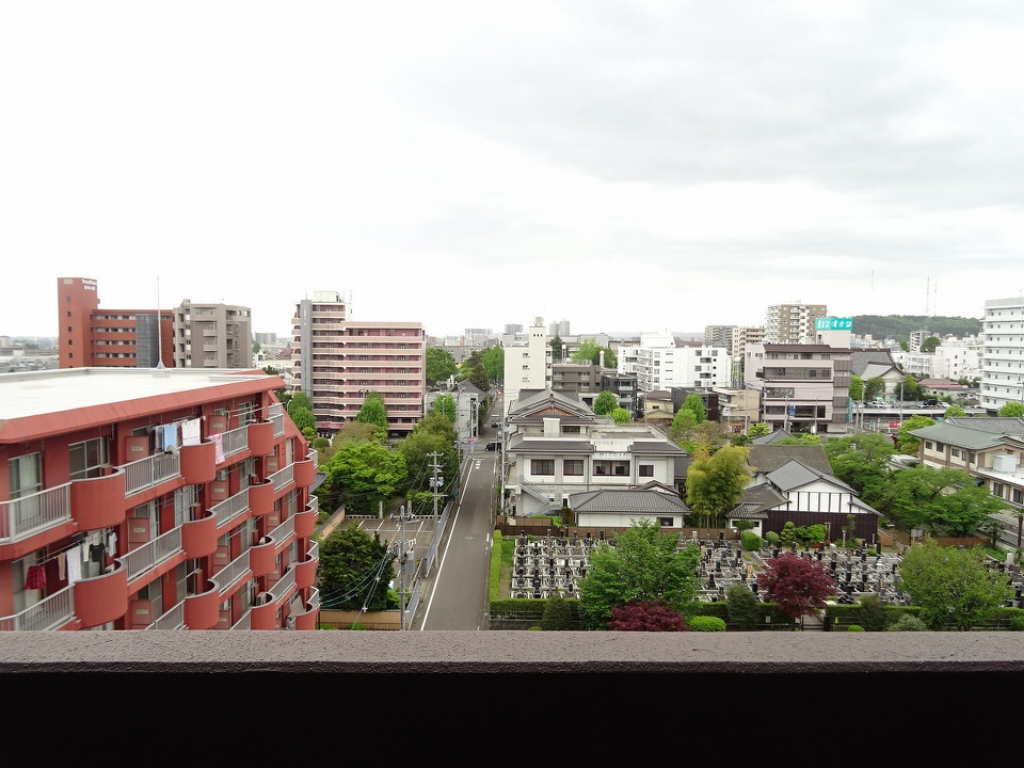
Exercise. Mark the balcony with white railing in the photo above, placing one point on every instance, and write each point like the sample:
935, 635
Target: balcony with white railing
20, 518
151, 471
245, 622
284, 585
283, 532
151, 554
278, 422
232, 507
235, 441
50, 613
283, 478
232, 573
172, 619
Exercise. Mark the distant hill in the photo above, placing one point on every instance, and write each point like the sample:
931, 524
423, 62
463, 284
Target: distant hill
900, 327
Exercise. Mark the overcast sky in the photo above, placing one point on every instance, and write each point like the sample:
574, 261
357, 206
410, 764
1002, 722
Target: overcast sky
625, 165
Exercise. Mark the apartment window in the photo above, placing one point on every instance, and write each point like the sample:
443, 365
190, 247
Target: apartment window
646, 470
928, 445
542, 467
998, 490
611, 468
26, 475
955, 452
572, 467
1017, 495
88, 458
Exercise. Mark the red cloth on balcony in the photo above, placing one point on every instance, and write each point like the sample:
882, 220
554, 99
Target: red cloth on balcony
35, 578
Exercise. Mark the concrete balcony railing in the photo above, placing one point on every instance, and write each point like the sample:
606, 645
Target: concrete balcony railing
232, 573
151, 554
235, 441
231, 508
283, 478
172, 619
149, 472
51, 613
21, 518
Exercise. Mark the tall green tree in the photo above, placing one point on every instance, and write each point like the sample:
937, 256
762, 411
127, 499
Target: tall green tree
874, 387
910, 390
361, 475
952, 585
493, 361
931, 344
952, 411
431, 440
906, 442
557, 348
605, 403
714, 484
479, 379
695, 403
354, 570
1013, 410
439, 365
862, 462
445, 405
587, 351
856, 388
644, 566
373, 411
759, 430
944, 502
682, 423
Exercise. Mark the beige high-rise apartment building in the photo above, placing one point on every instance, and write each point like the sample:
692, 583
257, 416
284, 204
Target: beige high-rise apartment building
792, 323
212, 336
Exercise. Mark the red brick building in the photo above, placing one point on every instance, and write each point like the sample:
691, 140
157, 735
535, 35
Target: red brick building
153, 499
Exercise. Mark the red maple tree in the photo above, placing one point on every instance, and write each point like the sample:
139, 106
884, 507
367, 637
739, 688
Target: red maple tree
797, 585
647, 617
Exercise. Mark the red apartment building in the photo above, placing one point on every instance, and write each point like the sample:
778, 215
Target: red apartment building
111, 338
153, 499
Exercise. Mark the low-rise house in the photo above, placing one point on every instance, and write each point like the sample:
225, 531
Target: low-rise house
557, 446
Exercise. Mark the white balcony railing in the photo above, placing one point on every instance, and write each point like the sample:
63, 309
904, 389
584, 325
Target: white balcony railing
314, 599
148, 472
230, 508
284, 584
314, 504
29, 514
245, 622
283, 531
314, 551
147, 556
235, 440
278, 422
230, 574
283, 477
172, 619
50, 613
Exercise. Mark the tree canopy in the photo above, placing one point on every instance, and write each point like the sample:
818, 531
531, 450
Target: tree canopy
862, 462
644, 566
620, 416
605, 403
931, 344
695, 403
952, 585
589, 351
1012, 410
856, 388
493, 361
874, 387
944, 502
373, 411
478, 377
647, 617
557, 348
354, 570
434, 434
714, 484
439, 365
445, 405
906, 442
797, 585
362, 475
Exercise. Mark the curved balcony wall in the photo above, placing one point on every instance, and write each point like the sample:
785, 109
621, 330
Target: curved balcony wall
199, 463
305, 573
261, 498
264, 616
305, 523
98, 502
307, 619
102, 598
262, 558
261, 438
199, 537
202, 611
305, 473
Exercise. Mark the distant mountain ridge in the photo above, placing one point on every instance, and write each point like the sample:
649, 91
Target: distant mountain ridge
900, 327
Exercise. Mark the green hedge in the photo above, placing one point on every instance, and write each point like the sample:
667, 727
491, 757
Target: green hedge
495, 586
518, 608
845, 615
705, 624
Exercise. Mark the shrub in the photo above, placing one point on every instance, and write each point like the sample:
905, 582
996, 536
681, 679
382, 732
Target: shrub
743, 525
1017, 622
872, 612
751, 541
654, 616
743, 607
772, 538
908, 624
495, 575
855, 628
557, 615
705, 624
788, 533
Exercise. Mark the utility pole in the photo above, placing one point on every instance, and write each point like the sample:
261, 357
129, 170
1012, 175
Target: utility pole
403, 559
436, 481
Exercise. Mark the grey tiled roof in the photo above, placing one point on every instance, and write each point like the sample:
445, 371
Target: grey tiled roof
650, 502
757, 499
656, 447
771, 437
795, 474
861, 359
768, 458
1001, 425
961, 437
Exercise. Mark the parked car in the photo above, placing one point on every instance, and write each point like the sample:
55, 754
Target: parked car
494, 446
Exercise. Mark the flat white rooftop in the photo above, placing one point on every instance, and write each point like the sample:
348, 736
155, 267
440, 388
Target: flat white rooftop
34, 393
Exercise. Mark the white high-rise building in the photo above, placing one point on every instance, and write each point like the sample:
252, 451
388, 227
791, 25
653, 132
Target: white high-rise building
659, 364
527, 365
1002, 364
